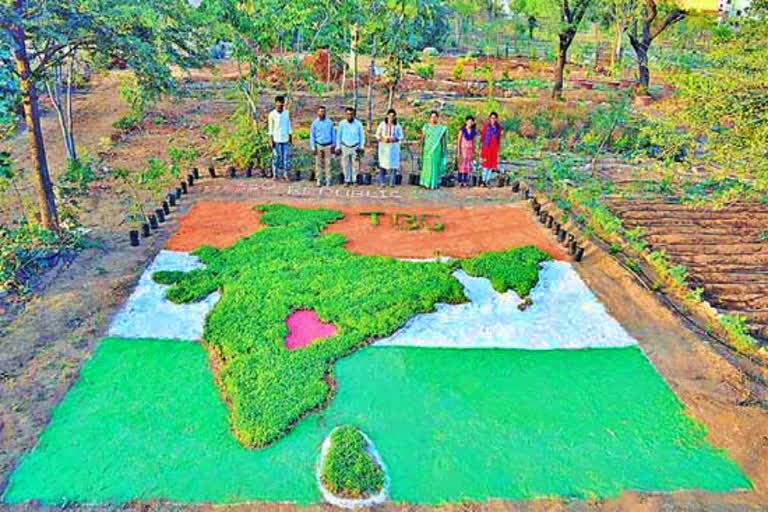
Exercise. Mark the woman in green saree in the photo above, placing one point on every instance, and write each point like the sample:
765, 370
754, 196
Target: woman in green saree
434, 151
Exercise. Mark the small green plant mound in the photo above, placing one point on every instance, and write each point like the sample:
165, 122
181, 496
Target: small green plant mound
517, 269
168, 276
289, 265
350, 471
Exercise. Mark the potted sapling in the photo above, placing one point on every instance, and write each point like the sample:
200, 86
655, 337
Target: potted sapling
135, 216
144, 186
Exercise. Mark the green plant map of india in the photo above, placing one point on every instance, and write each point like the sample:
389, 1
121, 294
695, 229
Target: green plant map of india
289, 265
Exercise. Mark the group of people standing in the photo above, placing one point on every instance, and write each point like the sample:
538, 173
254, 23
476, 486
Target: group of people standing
490, 143
347, 140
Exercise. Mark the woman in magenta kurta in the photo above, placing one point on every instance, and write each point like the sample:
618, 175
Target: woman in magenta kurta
465, 154
490, 142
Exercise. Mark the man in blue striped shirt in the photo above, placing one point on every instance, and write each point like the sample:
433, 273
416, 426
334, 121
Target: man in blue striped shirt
350, 141
322, 139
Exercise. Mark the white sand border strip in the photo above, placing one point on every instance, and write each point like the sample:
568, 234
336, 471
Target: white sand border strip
347, 503
565, 314
148, 314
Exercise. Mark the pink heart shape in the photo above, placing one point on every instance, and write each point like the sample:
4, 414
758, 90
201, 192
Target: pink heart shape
304, 327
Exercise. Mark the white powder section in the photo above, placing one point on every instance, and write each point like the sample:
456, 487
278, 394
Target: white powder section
148, 314
565, 315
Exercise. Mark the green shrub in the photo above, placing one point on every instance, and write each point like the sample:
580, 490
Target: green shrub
29, 249
603, 222
301, 133
289, 265
458, 69
635, 239
182, 157
736, 327
128, 122
425, 71
77, 178
349, 470
246, 144
211, 130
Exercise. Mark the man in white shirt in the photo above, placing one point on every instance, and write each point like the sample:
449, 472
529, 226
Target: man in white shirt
350, 141
280, 134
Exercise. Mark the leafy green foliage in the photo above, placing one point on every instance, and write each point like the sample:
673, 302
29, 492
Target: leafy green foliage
425, 71
724, 104
533, 83
72, 187
517, 269
9, 90
28, 249
167, 277
350, 471
76, 179
245, 144
736, 327
288, 266
147, 185
9, 184
182, 157
139, 100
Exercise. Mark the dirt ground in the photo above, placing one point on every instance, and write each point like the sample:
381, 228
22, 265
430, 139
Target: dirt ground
467, 231
43, 348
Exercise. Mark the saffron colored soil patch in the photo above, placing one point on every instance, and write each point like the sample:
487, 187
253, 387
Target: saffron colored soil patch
305, 327
467, 232
145, 421
214, 223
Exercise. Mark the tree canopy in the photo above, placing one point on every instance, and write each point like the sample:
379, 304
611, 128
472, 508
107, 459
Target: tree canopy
726, 102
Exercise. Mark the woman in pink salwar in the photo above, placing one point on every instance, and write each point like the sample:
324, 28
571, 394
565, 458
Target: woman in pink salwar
465, 153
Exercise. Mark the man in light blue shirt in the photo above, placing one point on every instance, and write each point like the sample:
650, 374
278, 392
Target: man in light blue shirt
322, 139
350, 141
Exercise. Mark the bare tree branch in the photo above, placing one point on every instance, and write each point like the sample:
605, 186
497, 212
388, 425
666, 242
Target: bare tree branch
674, 17
652, 11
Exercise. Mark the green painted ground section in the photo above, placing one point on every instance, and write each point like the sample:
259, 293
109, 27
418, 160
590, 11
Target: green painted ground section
146, 421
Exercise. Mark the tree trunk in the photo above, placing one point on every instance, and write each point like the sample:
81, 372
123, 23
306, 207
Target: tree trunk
643, 74
371, 76
61, 99
70, 111
458, 33
43, 187
354, 81
354, 67
562, 58
641, 54
616, 55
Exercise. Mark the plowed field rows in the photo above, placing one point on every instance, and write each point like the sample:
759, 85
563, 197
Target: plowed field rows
721, 249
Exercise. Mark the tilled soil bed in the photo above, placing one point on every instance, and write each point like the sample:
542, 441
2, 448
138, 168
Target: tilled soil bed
722, 250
